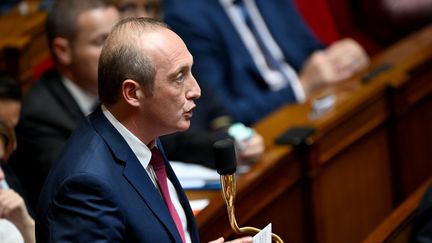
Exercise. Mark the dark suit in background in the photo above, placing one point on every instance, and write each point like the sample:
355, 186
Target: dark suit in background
110, 187
48, 117
223, 64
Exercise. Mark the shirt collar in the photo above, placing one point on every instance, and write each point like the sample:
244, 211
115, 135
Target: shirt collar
85, 100
139, 148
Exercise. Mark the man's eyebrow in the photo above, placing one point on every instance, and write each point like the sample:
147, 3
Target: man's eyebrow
179, 70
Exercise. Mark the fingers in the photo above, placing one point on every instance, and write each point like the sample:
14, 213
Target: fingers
247, 239
12, 205
253, 148
347, 57
219, 240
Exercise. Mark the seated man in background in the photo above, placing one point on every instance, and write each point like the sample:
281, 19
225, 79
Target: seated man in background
258, 55
55, 105
210, 121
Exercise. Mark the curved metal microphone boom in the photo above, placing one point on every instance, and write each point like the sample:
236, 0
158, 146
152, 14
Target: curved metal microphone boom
226, 164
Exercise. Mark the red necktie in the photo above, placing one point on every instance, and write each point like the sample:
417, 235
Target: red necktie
158, 164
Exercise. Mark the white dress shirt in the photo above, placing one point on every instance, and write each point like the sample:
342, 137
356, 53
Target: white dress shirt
84, 99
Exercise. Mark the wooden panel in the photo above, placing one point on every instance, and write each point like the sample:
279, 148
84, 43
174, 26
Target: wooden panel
411, 129
396, 228
352, 194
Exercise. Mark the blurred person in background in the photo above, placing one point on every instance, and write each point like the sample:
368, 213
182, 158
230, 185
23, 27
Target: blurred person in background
258, 55
53, 107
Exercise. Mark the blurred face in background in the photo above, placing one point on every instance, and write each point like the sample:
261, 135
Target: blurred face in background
10, 111
94, 26
140, 8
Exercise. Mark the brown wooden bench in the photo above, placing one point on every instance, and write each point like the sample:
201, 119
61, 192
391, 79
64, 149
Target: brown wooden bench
396, 228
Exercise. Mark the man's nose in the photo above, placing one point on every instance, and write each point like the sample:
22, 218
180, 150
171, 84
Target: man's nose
195, 91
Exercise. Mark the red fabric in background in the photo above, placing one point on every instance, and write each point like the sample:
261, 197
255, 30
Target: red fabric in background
42, 67
318, 15
332, 20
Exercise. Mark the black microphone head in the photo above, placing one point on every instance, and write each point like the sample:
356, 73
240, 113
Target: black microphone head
225, 157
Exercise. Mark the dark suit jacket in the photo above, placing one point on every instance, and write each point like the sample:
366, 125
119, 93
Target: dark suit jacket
49, 115
222, 62
98, 192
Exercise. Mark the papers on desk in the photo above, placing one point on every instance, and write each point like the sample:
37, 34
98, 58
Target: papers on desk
198, 205
193, 176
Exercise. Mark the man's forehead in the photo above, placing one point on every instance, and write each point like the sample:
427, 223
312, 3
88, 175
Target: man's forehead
164, 42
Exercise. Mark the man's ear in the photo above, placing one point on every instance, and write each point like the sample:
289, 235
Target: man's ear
132, 92
62, 50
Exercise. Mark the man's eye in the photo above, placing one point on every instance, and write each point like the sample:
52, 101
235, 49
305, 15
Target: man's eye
180, 77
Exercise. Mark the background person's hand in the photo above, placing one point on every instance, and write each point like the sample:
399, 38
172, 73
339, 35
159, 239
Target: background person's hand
347, 57
13, 208
339, 61
253, 148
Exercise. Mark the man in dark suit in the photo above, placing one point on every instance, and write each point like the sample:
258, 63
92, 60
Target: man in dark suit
55, 105
210, 121
109, 183
257, 55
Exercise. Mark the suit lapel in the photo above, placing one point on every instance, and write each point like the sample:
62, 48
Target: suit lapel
133, 171
65, 99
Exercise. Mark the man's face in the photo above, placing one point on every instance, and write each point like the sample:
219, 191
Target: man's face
175, 89
10, 111
94, 26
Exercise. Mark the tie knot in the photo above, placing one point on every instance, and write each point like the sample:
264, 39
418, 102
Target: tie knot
157, 160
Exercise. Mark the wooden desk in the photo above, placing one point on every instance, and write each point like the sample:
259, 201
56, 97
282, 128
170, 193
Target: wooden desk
23, 42
344, 180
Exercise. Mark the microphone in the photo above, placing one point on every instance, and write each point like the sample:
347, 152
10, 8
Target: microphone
226, 165
225, 157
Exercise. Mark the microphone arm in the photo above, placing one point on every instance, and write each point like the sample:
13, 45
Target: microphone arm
226, 164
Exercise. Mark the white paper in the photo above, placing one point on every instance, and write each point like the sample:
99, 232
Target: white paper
193, 176
198, 204
264, 236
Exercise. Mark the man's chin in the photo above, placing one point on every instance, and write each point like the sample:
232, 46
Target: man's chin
184, 127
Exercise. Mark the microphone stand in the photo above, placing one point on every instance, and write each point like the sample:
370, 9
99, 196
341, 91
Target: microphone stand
226, 165
228, 183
